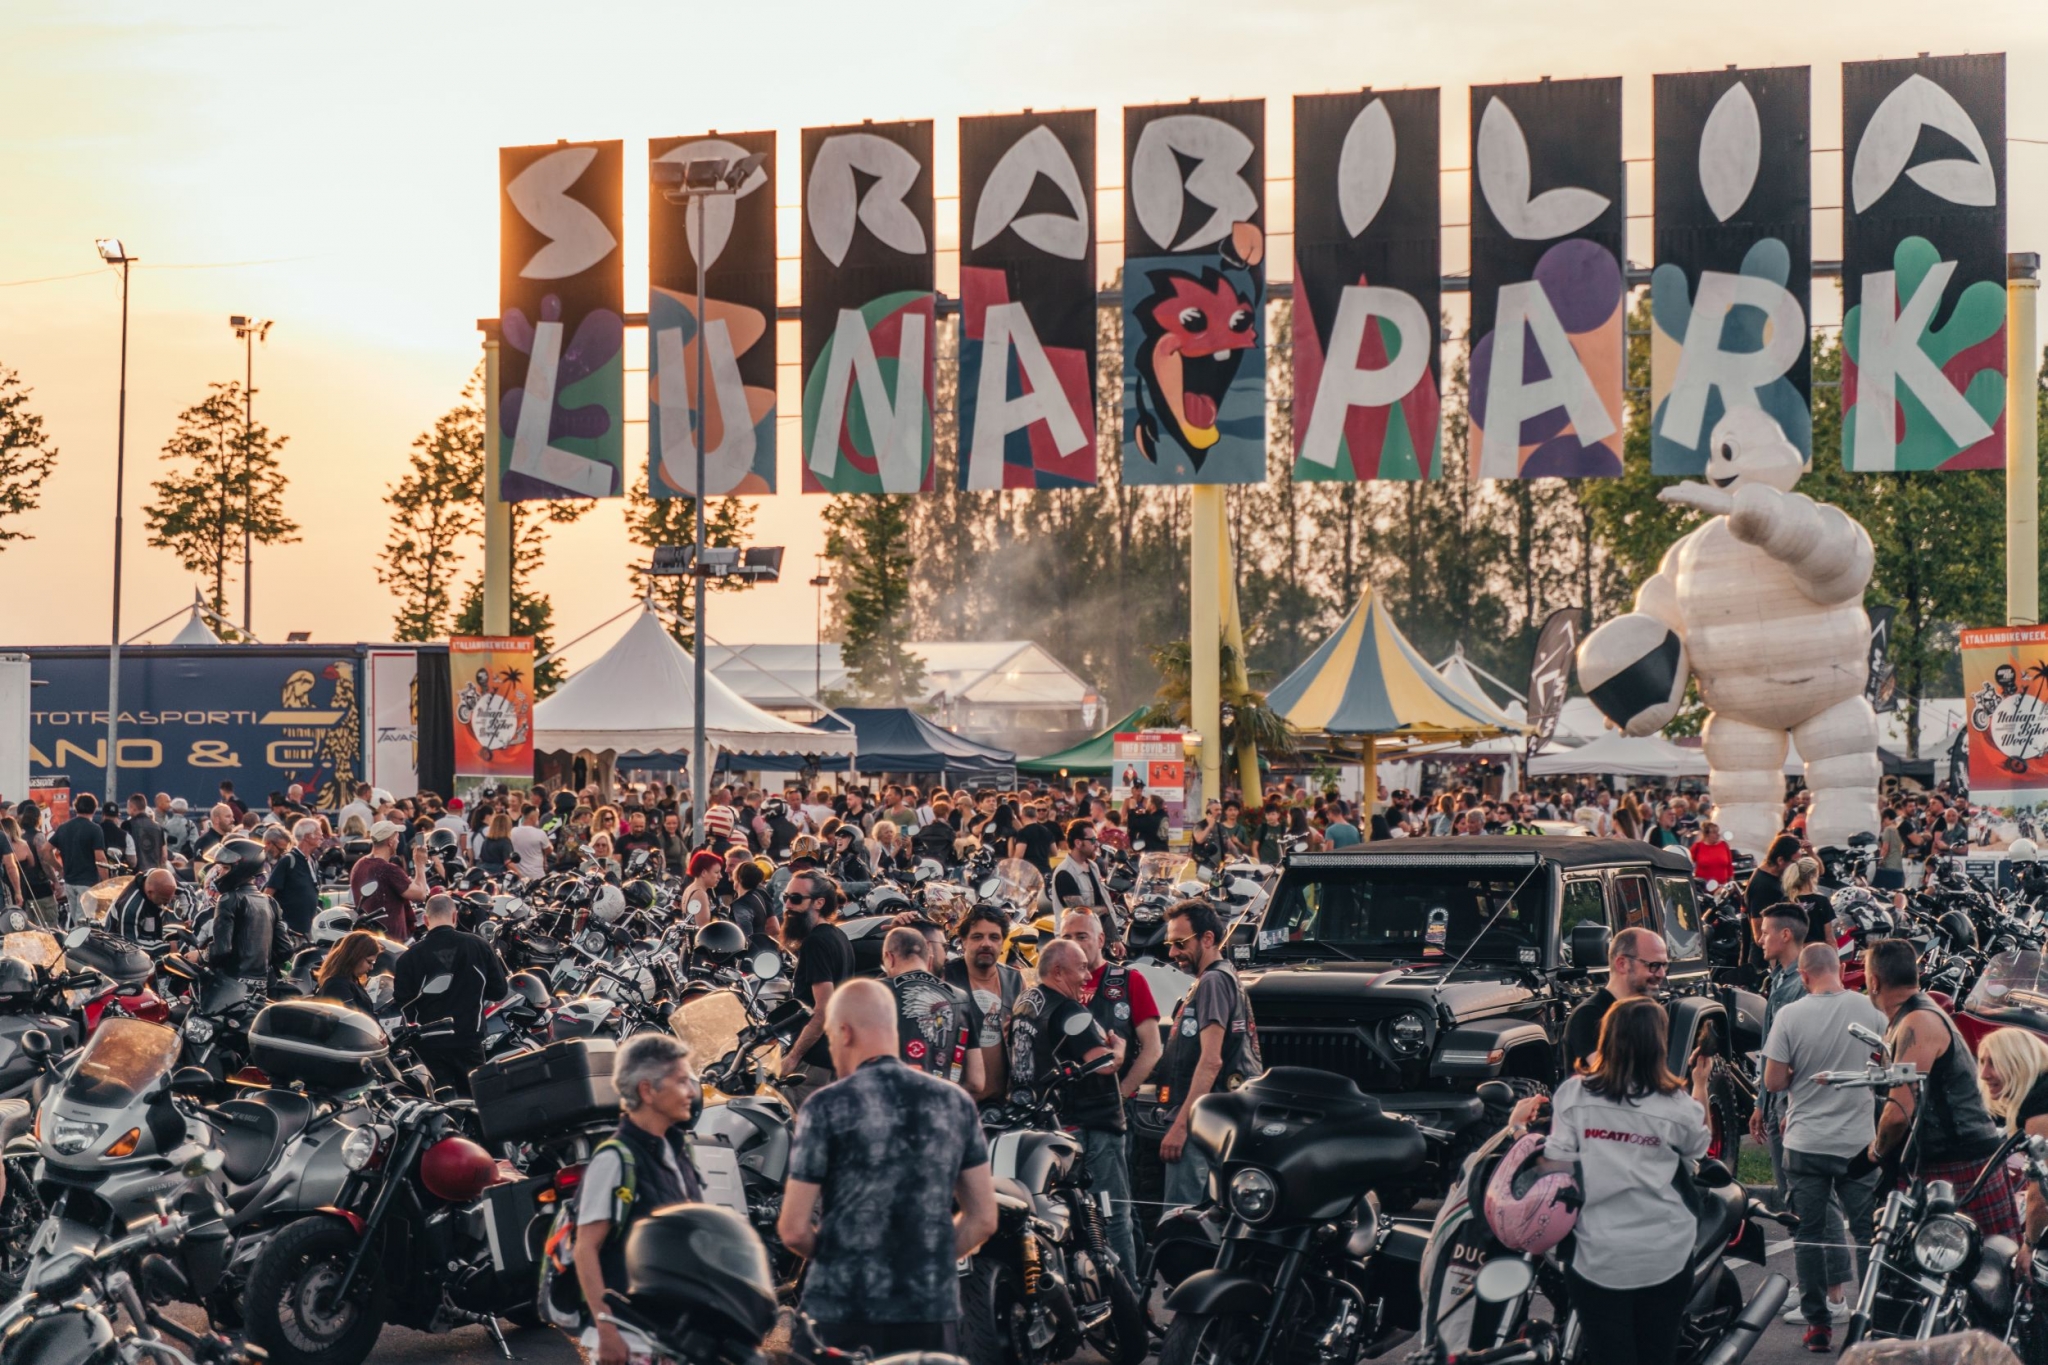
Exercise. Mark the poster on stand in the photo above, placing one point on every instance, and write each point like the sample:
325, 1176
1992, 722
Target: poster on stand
1194, 293
739, 359
2005, 699
392, 738
1027, 301
491, 678
1729, 298
1152, 763
561, 322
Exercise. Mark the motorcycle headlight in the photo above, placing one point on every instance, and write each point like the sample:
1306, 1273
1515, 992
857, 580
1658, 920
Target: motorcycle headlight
1252, 1195
359, 1148
1943, 1245
72, 1136
1409, 1035
197, 1029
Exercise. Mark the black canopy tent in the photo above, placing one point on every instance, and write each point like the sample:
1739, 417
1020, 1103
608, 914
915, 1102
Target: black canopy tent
896, 740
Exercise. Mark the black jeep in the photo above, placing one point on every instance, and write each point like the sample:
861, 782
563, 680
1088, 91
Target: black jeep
1425, 969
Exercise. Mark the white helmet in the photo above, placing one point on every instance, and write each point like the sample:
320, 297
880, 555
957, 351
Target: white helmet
608, 904
329, 926
2022, 851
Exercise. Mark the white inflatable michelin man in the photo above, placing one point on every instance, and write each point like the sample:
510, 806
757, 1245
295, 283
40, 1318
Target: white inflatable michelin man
1764, 605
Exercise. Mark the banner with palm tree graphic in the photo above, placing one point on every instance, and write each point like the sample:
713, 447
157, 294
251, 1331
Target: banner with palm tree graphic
492, 678
2005, 686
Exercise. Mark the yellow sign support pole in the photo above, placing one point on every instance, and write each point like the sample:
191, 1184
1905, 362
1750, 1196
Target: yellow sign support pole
1233, 635
497, 512
1205, 633
2022, 441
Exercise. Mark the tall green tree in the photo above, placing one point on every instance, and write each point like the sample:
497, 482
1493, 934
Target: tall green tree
435, 510
26, 456
869, 539
225, 481
653, 522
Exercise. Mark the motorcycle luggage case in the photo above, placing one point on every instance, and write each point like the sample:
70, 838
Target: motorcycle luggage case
126, 963
552, 1089
320, 1043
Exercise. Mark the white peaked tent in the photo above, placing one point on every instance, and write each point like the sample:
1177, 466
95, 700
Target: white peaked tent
638, 700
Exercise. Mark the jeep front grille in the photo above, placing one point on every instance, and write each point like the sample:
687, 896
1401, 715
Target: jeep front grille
1343, 1051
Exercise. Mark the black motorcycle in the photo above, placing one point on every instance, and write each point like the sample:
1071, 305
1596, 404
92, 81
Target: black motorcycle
1047, 1282
1295, 1155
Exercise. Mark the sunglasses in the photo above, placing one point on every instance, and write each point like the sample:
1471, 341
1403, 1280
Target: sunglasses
1181, 942
793, 898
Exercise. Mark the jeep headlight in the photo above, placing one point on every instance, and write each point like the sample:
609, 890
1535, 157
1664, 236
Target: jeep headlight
1943, 1245
1408, 1035
1252, 1195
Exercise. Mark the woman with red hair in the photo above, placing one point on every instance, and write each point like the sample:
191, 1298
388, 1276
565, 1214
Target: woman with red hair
706, 870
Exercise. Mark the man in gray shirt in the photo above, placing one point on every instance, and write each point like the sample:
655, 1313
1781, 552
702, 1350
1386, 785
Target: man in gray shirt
1781, 929
1826, 1130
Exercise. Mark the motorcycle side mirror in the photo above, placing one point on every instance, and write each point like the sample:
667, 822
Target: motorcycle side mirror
191, 1080
1504, 1280
1861, 1033
78, 937
437, 985
1713, 1175
1589, 946
987, 890
767, 965
36, 1044
1078, 1023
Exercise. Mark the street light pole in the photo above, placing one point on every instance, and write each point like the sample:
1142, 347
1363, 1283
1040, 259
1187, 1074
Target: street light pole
113, 253
820, 582
250, 331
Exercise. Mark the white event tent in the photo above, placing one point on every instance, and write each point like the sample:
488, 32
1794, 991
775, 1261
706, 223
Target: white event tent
637, 700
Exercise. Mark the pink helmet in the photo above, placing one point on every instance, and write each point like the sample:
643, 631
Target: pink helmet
1527, 1209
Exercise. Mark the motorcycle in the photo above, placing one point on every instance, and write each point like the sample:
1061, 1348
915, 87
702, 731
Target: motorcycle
1296, 1154
1047, 1282
1931, 1271
2027, 1331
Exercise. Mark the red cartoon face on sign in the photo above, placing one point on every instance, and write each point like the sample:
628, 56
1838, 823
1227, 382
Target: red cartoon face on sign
1197, 329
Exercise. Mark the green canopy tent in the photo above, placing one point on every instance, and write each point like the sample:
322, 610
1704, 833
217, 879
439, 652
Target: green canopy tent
1092, 755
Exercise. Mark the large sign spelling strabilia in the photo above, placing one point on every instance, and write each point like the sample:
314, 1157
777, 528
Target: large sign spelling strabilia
1547, 284
1194, 293
869, 308
739, 359
1923, 264
1729, 297
1027, 300
1367, 267
561, 305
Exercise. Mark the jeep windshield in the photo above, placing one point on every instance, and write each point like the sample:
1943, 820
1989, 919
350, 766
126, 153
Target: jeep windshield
1408, 914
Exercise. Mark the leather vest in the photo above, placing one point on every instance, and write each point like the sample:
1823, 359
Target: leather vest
1956, 1126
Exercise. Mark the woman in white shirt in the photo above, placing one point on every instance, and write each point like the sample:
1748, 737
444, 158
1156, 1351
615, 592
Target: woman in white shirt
1625, 1126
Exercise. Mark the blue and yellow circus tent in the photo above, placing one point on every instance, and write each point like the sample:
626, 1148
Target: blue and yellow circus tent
1367, 685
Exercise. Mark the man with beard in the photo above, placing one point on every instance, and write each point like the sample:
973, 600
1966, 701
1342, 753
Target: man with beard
993, 987
935, 1024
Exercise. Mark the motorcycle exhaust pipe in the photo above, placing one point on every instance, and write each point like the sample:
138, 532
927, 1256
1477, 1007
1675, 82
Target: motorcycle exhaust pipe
1748, 1327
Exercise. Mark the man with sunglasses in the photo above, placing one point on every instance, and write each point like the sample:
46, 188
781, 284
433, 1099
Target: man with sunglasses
1637, 963
1078, 882
824, 959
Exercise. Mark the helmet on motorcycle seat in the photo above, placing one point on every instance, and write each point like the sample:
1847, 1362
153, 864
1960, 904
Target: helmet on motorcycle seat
1862, 909
457, 1170
705, 1263
774, 807
1960, 929
608, 904
443, 841
2022, 850
721, 939
639, 894
1528, 1210
329, 926
17, 979
887, 900
927, 870
529, 987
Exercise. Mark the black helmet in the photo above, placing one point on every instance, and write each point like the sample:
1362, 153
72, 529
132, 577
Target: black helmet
774, 808
1960, 929
639, 894
530, 988
17, 979
238, 852
721, 938
708, 1265
443, 841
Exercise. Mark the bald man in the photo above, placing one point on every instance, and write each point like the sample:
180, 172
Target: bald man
138, 912
879, 1160
1637, 964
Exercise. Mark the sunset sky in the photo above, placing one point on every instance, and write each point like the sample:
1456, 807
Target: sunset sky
335, 170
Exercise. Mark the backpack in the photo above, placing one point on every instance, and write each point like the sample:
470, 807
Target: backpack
560, 1300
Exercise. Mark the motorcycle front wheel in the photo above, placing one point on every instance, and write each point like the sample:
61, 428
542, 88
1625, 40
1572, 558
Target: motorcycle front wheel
993, 1318
290, 1306
1201, 1339
1124, 1339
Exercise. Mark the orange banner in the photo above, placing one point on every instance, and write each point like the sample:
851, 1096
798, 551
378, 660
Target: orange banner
2005, 687
492, 677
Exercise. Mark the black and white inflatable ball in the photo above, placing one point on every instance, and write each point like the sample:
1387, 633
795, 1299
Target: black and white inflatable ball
1633, 669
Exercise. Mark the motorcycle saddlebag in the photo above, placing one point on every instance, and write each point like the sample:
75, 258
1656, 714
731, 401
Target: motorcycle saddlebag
553, 1089
319, 1042
125, 963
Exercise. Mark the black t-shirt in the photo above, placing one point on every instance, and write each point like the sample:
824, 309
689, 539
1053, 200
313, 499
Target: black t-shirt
1765, 890
1039, 840
2035, 1104
148, 837
296, 889
1582, 1030
76, 841
825, 956
1819, 914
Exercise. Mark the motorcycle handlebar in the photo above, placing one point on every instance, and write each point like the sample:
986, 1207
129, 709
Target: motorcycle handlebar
1498, 1355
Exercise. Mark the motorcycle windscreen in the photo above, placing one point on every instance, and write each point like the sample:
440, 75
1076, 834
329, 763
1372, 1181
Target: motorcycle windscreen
2013, 989
126, 1059
710, 1026
1018, 882
37, 947
1159, 873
